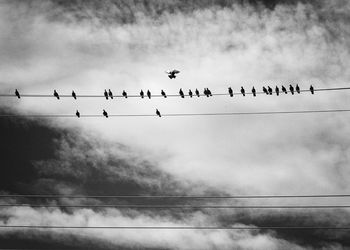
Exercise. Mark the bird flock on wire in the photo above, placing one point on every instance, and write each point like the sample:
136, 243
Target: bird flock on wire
267, 90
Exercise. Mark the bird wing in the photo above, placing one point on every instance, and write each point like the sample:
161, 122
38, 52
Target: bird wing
176, 71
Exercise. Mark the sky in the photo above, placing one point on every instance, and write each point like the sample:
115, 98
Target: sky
89, 46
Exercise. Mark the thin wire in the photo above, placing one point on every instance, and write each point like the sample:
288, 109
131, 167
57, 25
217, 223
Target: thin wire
180, 114
182, 206
178, 227
171, 95
172, 196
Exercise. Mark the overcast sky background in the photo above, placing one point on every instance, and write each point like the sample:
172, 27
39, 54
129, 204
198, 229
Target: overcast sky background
89, 46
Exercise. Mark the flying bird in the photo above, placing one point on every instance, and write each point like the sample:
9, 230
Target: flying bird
172, 73
110, 94
17, 94
230, 91
105, 113
74, 95
56, 94
158, 113
77, 114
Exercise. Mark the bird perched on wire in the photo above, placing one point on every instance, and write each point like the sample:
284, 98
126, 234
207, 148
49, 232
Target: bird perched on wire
158, 113
277, 90
254, 91
181, 93
284, 89
209, 92
77, 114
230, 91
172, 73
163, 94
110, 94
142, 94
106, 94
242, 91
190, 93
312, 89
56, 94
74, 95
149, 94
297, 88
105, 114
17, 94
291, 89
269, 89
197, 93
125, 94
265, 91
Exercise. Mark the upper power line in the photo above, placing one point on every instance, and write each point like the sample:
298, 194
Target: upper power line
195, 93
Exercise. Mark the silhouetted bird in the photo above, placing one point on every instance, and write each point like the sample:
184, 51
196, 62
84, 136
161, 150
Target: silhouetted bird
291, 89
197, 93
277, 90
56, 94
284, 89
106, 94
269, 89
158, 113
181, 93
17, 94
190, 93
125, 94
312, 89
110, 94
149, 94
209, 92
230, 91
265, 91
74, 95
205, 92
77, 114
254, 91
105, 113
242, 91
297, 89
142, 94
163, 93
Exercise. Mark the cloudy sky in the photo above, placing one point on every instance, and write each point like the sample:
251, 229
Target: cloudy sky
91, 45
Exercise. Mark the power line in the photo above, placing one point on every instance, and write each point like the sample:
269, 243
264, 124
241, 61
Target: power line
179, 114
170, 95
180, 206
172, 196
178, 227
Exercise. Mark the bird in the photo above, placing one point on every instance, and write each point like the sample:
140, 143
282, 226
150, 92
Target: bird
205, 92
242, 91
74, 95
269, 89
158, 113
106, 94
277, 91
142, 94
265, 91
284, 89
197, 93
125, 94
253, 91
149, 94
230, 91
291, 89
312, 89
17, 94
172, 73
77, 114
209, 92
105, 113
181, 93
110, 94
56, 94
163, 93
190, 93
297, 88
